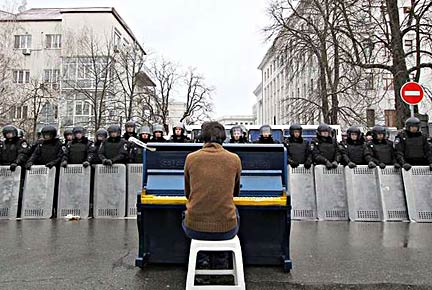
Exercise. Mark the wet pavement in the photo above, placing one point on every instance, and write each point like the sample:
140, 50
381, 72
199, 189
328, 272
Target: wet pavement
100, 254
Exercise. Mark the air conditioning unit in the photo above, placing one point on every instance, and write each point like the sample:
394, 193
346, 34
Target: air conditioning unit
26, 51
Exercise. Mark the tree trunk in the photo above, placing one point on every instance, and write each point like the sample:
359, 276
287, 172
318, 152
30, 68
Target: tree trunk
400, 71
323, 95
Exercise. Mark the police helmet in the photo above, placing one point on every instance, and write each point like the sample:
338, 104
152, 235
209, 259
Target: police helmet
20, 133
130, 124
102, 132
378, 129
158, 128
114, 128
245, 130
295, 127
265, 129
10, 129
412, 122
353, 130
77, 130
144, 130
179, 126
50, 130
237, 128
67, 131
324, 128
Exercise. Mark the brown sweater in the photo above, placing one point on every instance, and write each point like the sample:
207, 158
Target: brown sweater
212, 178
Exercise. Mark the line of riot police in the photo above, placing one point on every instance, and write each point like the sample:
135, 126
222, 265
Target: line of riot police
410, 147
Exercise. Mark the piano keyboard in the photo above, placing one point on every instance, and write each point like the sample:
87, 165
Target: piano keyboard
242, 201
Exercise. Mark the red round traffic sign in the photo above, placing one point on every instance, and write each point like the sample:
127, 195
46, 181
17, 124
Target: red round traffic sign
412, 93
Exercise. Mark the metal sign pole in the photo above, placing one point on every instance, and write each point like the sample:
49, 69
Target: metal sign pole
412, 110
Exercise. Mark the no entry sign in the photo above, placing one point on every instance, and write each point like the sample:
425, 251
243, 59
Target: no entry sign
412, 93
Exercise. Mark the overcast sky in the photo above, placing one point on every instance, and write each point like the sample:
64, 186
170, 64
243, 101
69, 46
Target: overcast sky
223, 39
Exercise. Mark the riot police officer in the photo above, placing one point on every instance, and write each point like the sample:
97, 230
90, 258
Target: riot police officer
325, 149
298, 148
13, 151
179, 134
78, 151
115, 148
412, 147
266, 136
381, 149
237, 135
129, 130
158, 131
101, 136
355, 151
48, 152
136, 153
68, 136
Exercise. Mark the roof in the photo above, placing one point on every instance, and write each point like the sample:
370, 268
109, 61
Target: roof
55, 14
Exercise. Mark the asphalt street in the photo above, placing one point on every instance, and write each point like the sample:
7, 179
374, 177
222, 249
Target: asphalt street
99, 254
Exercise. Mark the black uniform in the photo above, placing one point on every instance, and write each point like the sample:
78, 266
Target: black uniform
325, 150
13, 152
94, 152
78, 151
268, 140
158, 140
298, 152
382, 151
179, 139
114, 150
355, 152
412, 148
136, 153
47, 152
127, 135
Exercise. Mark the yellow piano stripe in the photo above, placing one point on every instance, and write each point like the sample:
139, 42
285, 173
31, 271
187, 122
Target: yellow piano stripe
245, 201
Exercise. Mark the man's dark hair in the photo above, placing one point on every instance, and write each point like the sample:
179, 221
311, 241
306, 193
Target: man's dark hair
213, 132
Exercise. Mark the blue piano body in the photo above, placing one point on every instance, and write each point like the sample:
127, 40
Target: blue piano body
264, 205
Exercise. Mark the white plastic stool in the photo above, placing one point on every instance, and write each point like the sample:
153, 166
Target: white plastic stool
233, 246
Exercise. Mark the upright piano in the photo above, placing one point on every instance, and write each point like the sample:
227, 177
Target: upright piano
264, 205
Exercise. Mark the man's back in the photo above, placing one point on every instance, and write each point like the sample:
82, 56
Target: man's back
212, 178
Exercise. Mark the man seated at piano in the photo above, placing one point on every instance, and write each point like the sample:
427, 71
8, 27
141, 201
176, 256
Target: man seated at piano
212, 179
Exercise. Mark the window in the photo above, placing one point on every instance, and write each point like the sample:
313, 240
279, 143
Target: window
21, 76
22, 41
19, 112
388, 81
125, 42
390, 118
408, 43
82, 108
117, 37
369, 81
53, 41
51, 78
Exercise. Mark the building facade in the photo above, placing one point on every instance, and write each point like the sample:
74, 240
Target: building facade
290, 82
64, 68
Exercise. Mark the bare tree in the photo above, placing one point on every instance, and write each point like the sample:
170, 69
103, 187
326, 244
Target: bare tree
166, 75
199, 104
133, 80
375, 34
88, 75
307, 35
